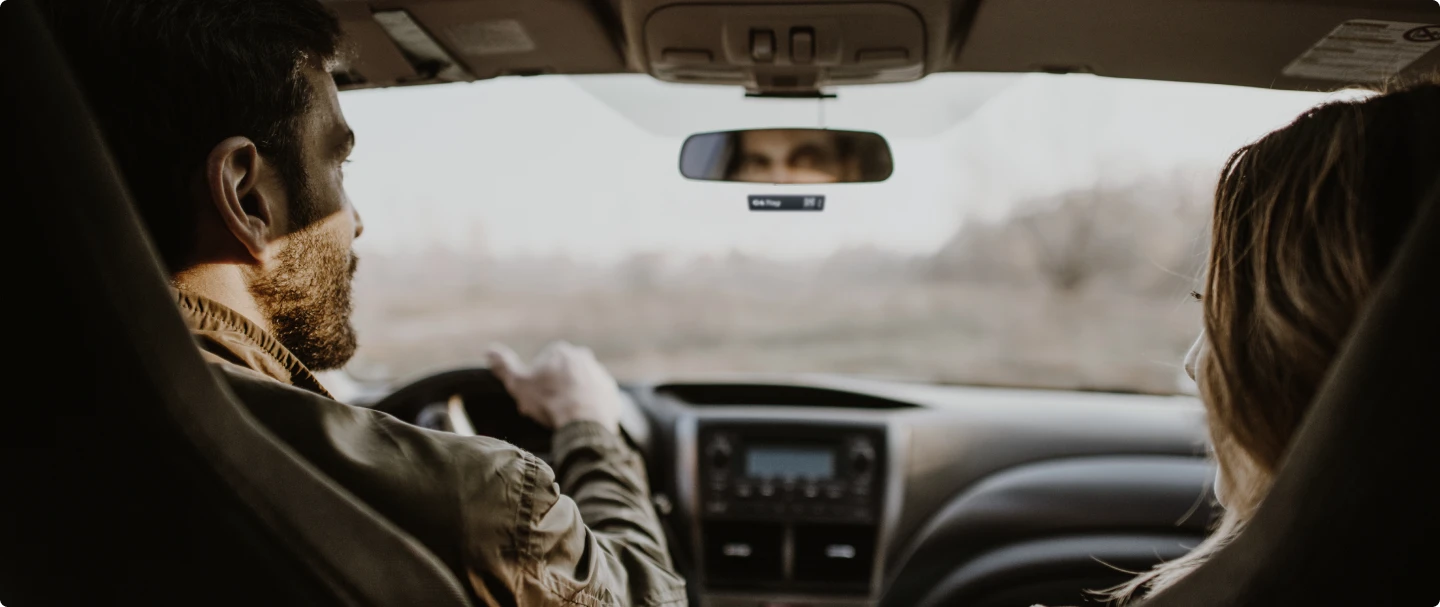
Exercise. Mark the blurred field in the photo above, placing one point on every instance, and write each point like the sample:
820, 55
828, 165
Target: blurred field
1084, 291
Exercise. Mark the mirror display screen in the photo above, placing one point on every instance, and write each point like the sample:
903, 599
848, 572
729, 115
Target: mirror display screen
789, 462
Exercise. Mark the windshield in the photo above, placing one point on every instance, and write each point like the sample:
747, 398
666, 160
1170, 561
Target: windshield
1038, 230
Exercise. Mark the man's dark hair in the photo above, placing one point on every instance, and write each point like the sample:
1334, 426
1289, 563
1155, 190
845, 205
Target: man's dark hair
170, 79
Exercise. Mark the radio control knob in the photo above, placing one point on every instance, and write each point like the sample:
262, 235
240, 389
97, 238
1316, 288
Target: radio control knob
862, 459
719, 455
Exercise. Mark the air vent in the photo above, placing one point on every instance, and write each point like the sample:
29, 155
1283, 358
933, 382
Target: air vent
778, 396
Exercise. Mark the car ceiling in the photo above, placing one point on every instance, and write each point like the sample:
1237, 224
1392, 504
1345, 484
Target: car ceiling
806, 46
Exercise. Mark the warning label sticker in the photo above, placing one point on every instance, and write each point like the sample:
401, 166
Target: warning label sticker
1362, 50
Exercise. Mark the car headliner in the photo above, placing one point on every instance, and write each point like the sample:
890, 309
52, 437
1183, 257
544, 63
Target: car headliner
1239, 43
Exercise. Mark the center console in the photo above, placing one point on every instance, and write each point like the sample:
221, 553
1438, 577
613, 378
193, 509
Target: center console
790, 511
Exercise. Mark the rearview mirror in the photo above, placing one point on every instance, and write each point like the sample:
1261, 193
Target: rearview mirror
787, 156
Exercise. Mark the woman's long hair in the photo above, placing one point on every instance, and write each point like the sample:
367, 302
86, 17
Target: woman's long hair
1306, 220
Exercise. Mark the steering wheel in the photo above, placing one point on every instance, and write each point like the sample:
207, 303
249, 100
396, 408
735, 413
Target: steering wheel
467, 401
474, 402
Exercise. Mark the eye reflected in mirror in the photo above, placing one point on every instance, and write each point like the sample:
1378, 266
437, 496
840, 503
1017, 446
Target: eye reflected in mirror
787, 156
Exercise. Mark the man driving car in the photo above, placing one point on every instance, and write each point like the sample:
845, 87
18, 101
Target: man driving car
225, 120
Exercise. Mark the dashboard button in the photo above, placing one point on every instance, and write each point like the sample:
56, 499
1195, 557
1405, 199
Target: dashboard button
743, 490
835, 492
767, 490
812, 491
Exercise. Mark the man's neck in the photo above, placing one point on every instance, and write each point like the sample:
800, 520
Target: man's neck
225, 284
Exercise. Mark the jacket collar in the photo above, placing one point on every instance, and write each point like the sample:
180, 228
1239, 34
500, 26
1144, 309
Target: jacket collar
226, 334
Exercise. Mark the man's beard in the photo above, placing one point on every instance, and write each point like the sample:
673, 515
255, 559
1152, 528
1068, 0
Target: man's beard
307, 300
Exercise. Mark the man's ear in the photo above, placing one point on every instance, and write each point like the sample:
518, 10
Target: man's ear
247, 196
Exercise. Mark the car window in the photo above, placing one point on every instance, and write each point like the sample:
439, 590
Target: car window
1038, 230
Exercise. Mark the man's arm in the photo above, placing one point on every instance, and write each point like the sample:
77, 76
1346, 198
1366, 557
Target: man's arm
616, 552
607, 481
597, 544
494, 514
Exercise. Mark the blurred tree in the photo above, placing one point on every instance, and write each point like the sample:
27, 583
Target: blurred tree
1144, 237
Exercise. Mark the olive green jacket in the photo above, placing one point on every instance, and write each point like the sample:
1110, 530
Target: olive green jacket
493, 513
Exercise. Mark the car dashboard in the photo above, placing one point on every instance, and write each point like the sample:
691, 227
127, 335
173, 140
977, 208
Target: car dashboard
838, 491
831, 491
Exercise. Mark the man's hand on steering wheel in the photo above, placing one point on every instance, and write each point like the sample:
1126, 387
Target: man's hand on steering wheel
563, 384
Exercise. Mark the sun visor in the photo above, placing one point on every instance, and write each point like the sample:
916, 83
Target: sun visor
369, 57
400, 43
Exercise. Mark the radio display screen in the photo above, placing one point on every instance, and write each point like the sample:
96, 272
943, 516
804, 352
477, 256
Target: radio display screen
767, 461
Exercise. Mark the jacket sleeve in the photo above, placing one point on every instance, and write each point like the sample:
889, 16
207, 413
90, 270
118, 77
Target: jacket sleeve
490, 511
590, 539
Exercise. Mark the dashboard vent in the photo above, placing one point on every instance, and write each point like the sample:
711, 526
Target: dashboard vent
775, 396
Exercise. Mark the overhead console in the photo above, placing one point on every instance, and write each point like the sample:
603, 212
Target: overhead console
785, 50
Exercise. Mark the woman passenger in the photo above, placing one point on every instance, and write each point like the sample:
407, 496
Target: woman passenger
1306, 220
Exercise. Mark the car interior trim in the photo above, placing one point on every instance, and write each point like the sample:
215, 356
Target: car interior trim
1036, 558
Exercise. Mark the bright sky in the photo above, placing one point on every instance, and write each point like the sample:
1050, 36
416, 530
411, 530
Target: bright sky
587, 166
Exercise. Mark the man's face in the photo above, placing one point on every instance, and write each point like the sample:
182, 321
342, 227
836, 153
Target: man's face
790, 156
304, 289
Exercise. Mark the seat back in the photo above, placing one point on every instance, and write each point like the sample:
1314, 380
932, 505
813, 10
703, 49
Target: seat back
132, 475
